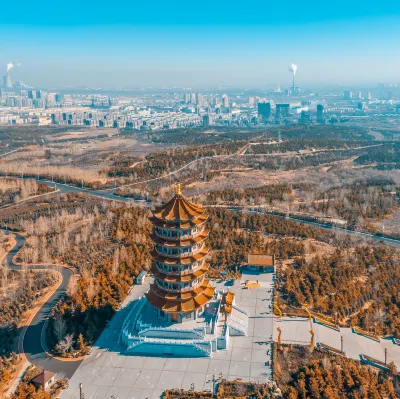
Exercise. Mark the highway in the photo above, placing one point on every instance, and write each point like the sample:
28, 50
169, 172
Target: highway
31, 341
65, 188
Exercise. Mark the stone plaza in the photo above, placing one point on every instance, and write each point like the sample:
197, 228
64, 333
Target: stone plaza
108, 373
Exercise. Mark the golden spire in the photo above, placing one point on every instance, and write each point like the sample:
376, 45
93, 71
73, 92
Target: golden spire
178, 189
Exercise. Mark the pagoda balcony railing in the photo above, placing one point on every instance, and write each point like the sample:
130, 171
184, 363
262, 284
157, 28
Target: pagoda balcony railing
188, 236
177, 290
183, 272
180, 255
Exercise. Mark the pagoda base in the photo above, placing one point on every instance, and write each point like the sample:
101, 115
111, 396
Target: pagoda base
144, 332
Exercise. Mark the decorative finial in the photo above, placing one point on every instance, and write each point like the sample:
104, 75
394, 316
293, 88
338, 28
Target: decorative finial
178, 189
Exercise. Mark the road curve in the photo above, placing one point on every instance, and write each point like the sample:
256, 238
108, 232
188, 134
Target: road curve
32, 339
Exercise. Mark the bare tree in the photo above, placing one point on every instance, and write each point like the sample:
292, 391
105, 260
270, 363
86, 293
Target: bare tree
59, 327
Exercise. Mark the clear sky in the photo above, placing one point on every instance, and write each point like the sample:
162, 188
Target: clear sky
159, 43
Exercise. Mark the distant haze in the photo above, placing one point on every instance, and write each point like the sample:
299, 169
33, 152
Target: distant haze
185, 46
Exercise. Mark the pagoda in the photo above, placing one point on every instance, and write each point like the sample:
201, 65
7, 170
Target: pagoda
181, 290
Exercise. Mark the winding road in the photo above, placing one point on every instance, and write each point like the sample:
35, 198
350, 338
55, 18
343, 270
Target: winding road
31, 340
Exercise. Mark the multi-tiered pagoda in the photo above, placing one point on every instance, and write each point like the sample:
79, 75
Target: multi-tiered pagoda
181, 289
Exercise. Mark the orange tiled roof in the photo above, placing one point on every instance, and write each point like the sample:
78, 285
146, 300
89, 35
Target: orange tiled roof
260, 260
179, 276
175, 306
180, 243
181, 225
178, 209
183, 260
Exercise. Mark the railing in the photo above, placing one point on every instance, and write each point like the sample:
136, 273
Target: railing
359, 331
330, 349
181, 255
200, 333
178, 272
373, 362
179, 289
240, 310
178, 237
326, 323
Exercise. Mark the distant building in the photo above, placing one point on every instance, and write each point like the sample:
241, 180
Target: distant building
261, 262
305, 117
360, 106
320, 113
348, 95
44, 380
252, 101
7, 81
387, 95
282, 111
264, 111
206, 120
199, 99
225, 101
32, 94
368, 96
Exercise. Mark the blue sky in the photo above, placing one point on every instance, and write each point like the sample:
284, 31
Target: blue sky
181, 43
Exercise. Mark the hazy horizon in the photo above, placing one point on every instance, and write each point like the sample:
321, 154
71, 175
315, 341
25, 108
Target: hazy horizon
133, 45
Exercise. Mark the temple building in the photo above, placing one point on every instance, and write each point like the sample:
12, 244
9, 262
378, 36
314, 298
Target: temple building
180, 290
182, 313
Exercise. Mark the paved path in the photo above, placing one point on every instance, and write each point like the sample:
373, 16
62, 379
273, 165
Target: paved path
107, 371
296, 330
32, 340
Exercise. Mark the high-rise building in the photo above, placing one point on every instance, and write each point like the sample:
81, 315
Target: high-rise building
206, 120
320, 114
193, 98
199, 99
305, 117
181, 289
186, 98
59, 98
264, 111
348, 95
368, 96
225, 101
7, 81
1, 93
282, 111
32, 94
252, 101
360, 106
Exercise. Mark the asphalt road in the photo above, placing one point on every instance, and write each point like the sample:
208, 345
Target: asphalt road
64, 188
32, 339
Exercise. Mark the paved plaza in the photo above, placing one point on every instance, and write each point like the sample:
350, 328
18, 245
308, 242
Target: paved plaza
107, 373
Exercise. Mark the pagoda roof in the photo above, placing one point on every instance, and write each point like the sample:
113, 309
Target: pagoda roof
178, 209
171, 242
181, 261
181, 295
180, 224
185, 305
